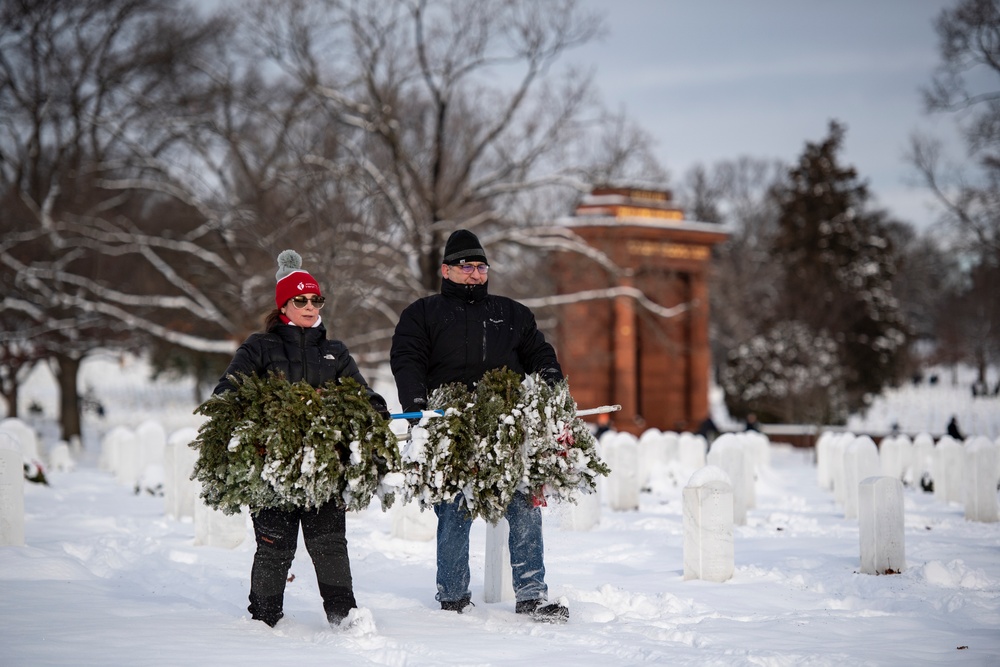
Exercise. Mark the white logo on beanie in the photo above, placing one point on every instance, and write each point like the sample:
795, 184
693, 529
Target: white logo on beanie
301, 285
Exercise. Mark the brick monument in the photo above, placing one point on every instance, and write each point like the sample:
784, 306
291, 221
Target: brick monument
653, 359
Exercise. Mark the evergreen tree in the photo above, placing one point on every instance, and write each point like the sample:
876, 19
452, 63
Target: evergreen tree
839, 266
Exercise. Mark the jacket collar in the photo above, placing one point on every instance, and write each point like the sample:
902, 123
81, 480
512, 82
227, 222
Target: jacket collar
469, 293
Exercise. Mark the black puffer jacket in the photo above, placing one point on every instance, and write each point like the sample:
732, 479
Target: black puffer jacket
299, 354
458, 335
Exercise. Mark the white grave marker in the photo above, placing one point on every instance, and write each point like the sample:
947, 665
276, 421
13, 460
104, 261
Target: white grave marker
708, 526
11, 492
880, 525
498, 583
981, 480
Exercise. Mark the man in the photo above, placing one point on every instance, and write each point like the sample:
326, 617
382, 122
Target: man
457, 336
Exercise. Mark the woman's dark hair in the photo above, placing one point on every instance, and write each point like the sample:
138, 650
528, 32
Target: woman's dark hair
273, 318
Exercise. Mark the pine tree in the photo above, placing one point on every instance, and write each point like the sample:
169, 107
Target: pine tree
839, 266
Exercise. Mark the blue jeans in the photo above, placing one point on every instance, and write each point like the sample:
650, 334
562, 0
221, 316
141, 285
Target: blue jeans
525, 542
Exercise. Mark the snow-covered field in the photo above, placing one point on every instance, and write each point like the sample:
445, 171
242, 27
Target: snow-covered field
106, 578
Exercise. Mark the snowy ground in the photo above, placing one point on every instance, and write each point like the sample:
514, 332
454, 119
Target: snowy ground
107, 579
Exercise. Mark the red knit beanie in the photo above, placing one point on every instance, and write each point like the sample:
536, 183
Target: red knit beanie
292, 280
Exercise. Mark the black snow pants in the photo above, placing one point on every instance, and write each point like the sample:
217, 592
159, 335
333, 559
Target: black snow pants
277, 534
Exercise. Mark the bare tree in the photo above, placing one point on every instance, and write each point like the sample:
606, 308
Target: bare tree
449, 114
967, 85
79, 83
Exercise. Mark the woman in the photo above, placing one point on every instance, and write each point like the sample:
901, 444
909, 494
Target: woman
295, 344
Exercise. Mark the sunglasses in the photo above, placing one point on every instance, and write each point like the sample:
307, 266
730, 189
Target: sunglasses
301, 301
467, 269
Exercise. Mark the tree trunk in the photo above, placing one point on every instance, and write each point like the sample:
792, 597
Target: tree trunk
10, 395
69, 397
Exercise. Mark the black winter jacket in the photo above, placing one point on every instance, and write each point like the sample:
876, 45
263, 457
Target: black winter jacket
299, 354
458, 335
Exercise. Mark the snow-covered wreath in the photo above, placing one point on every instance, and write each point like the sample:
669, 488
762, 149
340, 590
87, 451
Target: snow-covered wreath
274, 443
509, 435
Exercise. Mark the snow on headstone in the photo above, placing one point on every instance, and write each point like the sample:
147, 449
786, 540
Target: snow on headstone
409, 522
583, 514
179, 458
708, 525
949, 470
213, 528
880, 525
25, 437
622, 456
691, 451
860, 462
727, 454
11, 492
60, 457
981, 480
498, 580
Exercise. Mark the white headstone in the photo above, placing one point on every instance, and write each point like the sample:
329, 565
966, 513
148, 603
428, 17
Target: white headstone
11, 492
213, 528
622, 456
152, 440
727, 454
180, 492
583, 514
824, 476
838, 451
498, 579
112, 449
708, 526
949, 471
60, 457
981, 480
652, 450
25, 437
409, 522
860, 462
691, 451
905, 446
922, 461
880, 525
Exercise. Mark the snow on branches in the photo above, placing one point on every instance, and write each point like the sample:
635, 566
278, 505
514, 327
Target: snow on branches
273, 443
507, 436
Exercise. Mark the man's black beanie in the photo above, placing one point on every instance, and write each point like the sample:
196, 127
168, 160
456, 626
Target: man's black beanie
462, 247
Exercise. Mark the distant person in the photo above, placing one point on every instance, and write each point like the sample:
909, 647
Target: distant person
752, 423
603, 425
294, 344
707, 429
953, 429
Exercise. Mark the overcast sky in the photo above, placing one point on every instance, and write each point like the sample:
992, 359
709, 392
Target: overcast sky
719, 79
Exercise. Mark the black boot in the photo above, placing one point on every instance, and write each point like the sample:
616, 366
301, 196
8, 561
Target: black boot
338, 601
267, 609
456, 605
553, 612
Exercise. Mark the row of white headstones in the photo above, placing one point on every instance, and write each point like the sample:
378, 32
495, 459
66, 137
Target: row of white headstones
719, 488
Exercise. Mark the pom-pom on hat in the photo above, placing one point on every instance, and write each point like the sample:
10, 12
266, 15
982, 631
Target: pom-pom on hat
292, 280
463, 246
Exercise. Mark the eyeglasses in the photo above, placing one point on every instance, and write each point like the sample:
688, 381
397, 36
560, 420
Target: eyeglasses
301, 301
468, 269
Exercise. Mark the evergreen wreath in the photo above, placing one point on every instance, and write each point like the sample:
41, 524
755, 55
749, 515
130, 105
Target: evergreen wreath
274, 443
509, 435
